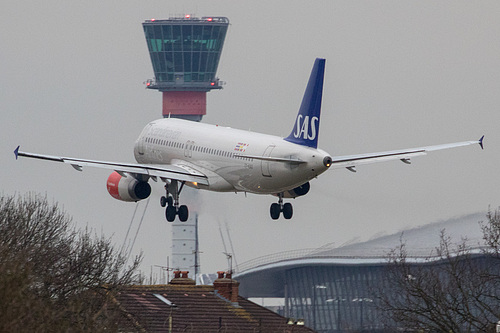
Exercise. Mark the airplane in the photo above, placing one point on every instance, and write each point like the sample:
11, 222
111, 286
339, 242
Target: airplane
210, 157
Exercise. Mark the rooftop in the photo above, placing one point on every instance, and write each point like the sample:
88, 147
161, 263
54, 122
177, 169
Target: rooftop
420, 242
182, 306
190, 19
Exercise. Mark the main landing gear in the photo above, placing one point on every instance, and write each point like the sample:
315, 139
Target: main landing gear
277, 208
171, 201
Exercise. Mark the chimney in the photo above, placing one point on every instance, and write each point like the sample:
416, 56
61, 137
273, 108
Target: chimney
227, 287
181, 278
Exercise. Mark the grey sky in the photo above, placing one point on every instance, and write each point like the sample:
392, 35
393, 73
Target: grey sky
399, 74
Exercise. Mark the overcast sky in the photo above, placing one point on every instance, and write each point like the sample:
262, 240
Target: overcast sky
399, 74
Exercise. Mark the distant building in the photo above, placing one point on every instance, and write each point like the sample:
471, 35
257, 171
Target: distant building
331, 288
182, 306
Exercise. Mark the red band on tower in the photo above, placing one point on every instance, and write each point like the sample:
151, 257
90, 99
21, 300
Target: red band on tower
184, 103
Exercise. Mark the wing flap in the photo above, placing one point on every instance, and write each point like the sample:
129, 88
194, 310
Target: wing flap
404, 155
152, 170
355, 160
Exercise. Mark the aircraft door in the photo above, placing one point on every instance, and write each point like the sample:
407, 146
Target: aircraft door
141, 144
188, 149
266, 165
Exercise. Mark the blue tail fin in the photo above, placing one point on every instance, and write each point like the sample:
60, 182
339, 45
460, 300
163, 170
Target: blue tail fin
306, 129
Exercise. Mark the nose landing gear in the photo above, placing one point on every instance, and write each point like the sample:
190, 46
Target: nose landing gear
277, 208
171, 201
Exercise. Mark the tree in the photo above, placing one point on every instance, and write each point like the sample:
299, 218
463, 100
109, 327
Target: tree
455, 290
53, 277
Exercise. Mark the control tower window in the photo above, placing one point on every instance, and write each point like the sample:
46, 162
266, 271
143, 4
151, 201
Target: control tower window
189, 47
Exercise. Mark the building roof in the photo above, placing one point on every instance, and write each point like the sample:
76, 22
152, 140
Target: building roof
420, 242
264, 276
191, 308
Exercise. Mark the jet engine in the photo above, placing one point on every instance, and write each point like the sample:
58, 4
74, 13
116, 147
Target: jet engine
127, 188
298, 191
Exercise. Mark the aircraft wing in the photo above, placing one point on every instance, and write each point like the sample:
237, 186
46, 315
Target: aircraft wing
351, 161
167, 171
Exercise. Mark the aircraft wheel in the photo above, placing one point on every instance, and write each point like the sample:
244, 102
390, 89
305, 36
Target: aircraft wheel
170, 213
170, 201
163, 201
275, 211
287, 210
183, 213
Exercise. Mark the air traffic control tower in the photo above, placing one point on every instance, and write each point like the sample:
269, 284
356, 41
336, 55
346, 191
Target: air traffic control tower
185, 53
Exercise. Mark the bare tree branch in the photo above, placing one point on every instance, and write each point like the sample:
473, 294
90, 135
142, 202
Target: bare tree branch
455, 290
53, 277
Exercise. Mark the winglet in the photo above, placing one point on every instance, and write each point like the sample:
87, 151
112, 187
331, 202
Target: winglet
481, 142
16, 152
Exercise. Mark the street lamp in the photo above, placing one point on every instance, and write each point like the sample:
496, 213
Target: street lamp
314, 303
337, 301
361, 301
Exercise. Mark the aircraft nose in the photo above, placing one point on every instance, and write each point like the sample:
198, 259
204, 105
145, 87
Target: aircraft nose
327, 161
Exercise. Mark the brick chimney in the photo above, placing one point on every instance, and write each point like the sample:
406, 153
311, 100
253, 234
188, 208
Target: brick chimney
226, 286
181, 278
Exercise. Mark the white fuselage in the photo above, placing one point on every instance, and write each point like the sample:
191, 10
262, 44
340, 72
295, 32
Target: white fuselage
232, 159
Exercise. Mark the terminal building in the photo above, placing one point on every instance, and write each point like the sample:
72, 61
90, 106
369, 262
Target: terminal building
332, 289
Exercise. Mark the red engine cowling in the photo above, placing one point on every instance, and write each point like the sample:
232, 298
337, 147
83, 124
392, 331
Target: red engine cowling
127, 188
